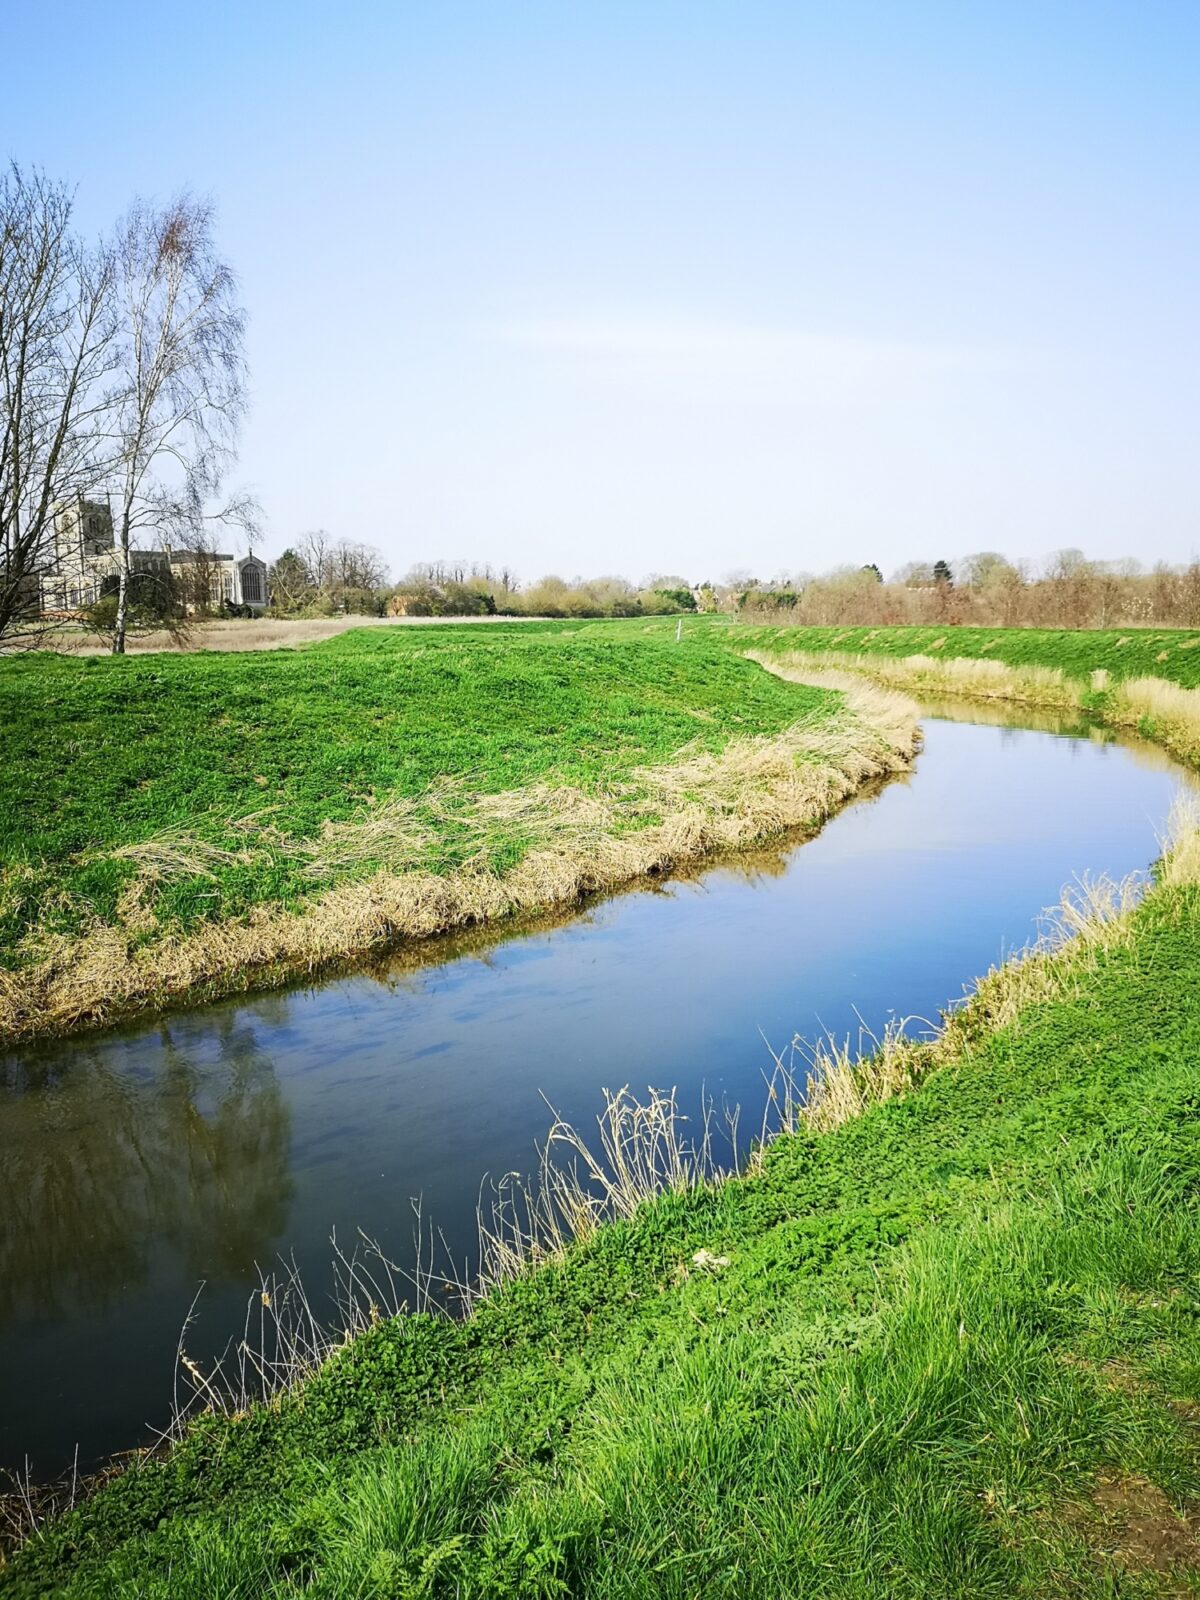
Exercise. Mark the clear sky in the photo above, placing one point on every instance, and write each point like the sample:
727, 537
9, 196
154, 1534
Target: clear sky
599, 286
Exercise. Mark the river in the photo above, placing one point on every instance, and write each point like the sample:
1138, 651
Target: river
141, 1162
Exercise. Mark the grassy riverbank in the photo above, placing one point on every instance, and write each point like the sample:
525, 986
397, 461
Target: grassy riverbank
1145, 685
1170, 654
945, 1346
177, 826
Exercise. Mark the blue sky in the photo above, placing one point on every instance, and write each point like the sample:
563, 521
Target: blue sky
686, 288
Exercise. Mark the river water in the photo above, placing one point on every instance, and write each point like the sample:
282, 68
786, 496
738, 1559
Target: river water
138, 1163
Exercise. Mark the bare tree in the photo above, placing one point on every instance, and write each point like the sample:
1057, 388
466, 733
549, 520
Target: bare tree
183, 375
358, 566
56, 350
315, 549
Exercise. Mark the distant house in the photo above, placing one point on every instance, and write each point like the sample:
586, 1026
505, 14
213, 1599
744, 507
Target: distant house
85, 567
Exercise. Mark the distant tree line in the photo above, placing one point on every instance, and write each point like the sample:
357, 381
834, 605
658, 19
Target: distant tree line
321, 576
985, 589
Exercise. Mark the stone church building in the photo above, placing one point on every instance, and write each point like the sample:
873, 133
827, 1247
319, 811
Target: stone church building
84, 566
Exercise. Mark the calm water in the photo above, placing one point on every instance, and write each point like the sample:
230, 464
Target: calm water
133, 1165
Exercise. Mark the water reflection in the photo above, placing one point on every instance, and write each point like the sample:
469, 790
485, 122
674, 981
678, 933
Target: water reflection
109, 1159
1032, 719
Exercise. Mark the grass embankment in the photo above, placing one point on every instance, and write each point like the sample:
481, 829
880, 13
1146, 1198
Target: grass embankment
1171, 654
175, 827
946, 1346
1148, 685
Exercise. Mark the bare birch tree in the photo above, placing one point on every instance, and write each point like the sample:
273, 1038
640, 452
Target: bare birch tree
183, 378
56, 351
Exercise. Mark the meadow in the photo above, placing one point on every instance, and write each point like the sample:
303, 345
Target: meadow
163, 817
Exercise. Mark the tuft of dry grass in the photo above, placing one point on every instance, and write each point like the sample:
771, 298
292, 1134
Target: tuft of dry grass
1179, 866
820, 1084
395, 834
575, 844
181, 852
1168, 713
643, 1150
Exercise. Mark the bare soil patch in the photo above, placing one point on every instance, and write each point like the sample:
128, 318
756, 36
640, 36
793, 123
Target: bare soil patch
1131, 1523
239, 634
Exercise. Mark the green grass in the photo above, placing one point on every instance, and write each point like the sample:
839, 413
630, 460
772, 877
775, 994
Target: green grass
940, 1324
1136, 652
99, 754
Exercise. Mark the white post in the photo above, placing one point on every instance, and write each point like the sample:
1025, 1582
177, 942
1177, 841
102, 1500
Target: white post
679, 630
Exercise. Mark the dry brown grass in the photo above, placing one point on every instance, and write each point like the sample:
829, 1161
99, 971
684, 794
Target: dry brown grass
944, 677
181, 852
263, 633
1169, 713
577, 844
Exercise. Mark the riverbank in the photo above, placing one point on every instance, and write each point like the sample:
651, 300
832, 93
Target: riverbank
939, 1340
1158, 708
1172, 654
186, 828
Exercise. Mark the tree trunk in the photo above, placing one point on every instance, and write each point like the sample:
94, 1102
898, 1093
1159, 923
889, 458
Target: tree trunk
118, 644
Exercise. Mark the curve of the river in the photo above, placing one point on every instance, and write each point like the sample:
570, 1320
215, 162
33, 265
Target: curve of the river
137, 1163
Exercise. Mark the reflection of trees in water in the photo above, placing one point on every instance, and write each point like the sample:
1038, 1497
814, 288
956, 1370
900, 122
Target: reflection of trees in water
114, 1152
